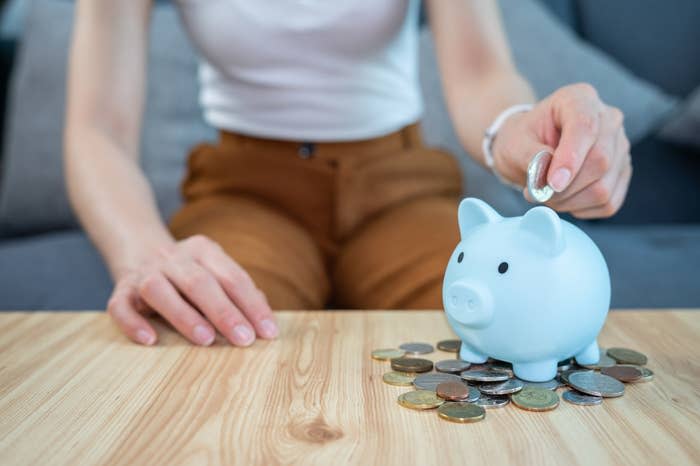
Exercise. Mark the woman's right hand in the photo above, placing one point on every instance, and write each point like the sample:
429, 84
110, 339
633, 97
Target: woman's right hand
198, 288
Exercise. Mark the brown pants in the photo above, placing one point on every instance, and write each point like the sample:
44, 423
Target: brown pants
357, 225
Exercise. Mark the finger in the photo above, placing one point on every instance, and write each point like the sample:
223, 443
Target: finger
160, 294
616, 199
605, 155
201, 288
240, 288
599, 191
122, 310
577, 114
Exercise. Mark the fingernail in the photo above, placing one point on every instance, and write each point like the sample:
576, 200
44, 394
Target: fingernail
242, 335
560, 179
268, 328
144, 337
203, 335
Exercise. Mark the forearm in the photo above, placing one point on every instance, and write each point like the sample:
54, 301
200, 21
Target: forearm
112, 199
475, 104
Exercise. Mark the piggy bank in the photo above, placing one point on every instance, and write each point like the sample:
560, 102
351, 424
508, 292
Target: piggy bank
530, 290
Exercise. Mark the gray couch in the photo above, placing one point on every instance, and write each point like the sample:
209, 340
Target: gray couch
47, 262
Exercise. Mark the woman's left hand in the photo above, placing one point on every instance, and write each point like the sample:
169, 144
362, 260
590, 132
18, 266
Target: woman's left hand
591, 165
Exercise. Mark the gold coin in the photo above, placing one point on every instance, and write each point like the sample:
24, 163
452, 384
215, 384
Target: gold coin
420, 399
451, 346
627, 356
399, 379
461, 412
535, 399
386, 354
411, 365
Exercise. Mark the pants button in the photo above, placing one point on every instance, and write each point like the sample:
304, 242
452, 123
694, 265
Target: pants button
306, 150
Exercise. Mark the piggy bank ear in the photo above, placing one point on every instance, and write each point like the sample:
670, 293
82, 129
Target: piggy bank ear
473, 212
546, 225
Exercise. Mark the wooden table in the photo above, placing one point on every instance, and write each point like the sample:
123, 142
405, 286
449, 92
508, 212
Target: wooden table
73, 390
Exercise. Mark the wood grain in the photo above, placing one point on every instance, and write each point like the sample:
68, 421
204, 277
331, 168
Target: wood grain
75, 391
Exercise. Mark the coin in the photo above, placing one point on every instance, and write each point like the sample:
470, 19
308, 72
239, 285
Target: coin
461, 412
581, 399
457, 391
411, 365
452, 366
627, 356
535, 399
595, 383
501, 388
417, 348
603, 361
432, 380
420, 399
537, 185
565, 365
499, 365
623, 373
492, 401
487, 375
647, 375
453, 391
451, 346
400, 379
547, 384
385, 354
563, 376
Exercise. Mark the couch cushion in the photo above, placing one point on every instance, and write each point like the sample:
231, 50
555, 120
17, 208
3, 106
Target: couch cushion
52, 271
659, 41
32, 190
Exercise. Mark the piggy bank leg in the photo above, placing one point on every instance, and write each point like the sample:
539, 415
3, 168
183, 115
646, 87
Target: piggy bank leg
540, 371
589, 355
469, 355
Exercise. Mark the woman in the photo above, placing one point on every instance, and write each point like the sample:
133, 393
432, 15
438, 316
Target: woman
319, 191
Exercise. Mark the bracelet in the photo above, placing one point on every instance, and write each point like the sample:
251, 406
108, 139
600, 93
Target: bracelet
490, 135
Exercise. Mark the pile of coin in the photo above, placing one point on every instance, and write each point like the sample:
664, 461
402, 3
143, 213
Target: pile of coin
462, 392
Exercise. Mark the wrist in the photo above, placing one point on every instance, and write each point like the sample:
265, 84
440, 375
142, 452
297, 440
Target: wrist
134, 256
489, 145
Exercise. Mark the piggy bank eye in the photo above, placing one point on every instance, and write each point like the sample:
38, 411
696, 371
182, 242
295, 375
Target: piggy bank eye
460, 257
503, 267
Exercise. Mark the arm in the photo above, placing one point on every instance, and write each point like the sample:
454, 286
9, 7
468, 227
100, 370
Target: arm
591, 167
115, 203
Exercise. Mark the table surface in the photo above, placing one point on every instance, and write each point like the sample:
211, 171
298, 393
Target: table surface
74, 390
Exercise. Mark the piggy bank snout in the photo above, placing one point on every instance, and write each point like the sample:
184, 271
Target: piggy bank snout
469, 303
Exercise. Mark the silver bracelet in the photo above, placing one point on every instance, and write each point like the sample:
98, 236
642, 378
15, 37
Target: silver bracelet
490, 135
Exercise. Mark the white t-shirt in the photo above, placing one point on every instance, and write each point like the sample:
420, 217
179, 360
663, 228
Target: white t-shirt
314, 70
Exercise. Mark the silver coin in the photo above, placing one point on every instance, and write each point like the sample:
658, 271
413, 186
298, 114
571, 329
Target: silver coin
537, 185
498, 365
581, 399
486, 375
595, 383
452, 366
501, 388
432, 380
565, 365
417, 348
647, 374
547, 384
492, 401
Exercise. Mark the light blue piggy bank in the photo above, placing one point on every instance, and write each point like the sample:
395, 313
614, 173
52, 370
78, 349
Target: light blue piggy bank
530, 290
